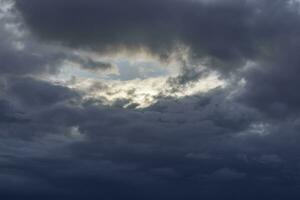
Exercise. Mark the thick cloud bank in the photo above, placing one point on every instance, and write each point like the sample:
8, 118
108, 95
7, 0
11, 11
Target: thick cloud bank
238, 139
227, 31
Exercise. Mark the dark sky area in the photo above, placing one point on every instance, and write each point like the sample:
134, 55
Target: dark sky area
150, 99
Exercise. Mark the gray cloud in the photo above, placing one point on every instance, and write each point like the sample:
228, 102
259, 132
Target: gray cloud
149, 149
34, 93
19, 53
237, 142
89, 63
224, 32
272, 86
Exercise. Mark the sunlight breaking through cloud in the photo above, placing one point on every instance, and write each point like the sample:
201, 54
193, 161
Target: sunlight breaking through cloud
140, 92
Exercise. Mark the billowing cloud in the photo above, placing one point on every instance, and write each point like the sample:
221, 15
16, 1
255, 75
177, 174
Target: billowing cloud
222, 32
212, 114
18, 53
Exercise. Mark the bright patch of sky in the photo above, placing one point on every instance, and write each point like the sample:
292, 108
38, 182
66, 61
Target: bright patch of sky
137, 81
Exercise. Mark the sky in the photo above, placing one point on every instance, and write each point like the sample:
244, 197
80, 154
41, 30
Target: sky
149, 99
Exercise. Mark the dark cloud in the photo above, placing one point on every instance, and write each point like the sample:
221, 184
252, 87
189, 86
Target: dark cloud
34, 93
23, 62
95, 65
168, 150
20, 54
90, 64
272, 86
154, 153
224, 32
9, 114
236, 142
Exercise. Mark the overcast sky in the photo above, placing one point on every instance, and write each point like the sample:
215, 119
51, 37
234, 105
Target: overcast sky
150, 99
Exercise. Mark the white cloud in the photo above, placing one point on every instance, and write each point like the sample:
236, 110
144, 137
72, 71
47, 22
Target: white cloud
143, 92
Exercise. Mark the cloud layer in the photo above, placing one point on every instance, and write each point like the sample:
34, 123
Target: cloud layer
235, 138
224, 31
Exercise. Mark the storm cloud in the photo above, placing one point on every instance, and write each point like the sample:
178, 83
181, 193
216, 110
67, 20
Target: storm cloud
223, 32
224, 125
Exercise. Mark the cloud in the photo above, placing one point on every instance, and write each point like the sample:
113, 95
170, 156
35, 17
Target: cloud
226, 175
271, 87
225, 33
33, 93
147, 149
90, 64
150, 138
19, 53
